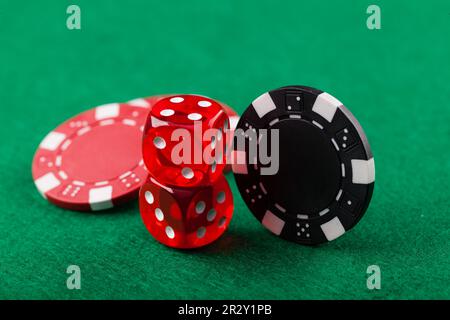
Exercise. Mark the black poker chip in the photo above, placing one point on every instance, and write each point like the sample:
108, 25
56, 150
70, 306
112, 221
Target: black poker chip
311, 180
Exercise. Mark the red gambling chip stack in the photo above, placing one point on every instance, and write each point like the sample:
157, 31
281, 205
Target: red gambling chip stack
186, 202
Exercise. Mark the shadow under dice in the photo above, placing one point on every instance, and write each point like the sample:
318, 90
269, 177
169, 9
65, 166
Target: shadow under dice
184, 140
186, 217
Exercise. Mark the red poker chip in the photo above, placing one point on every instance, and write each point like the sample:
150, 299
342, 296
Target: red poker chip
93, 161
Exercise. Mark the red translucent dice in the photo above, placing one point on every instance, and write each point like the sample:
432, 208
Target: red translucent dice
184, 140
186, 217
186, 201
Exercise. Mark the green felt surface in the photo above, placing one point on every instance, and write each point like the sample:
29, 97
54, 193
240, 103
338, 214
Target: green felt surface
395, 81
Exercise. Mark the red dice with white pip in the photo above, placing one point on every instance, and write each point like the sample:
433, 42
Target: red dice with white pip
186, 201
